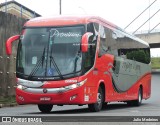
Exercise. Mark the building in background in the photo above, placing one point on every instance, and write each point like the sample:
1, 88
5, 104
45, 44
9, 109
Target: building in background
17, 9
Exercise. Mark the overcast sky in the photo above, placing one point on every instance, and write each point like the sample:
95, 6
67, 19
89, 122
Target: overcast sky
119, 12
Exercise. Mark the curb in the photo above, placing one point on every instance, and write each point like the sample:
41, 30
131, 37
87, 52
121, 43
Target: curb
8, 105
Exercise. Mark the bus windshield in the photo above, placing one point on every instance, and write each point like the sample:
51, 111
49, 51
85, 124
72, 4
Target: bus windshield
50, 52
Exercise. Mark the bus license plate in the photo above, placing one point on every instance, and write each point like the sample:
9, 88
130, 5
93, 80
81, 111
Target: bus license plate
45, 99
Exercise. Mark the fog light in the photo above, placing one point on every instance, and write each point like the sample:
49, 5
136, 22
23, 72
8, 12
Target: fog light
73, 97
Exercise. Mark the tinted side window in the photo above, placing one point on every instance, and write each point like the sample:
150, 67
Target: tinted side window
108, 44
90, 55
103, 46
130, 48
120, 44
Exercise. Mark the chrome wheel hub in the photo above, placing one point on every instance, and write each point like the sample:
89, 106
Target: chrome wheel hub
99, 98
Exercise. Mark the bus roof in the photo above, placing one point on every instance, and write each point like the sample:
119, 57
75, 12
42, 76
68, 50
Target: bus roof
64, 21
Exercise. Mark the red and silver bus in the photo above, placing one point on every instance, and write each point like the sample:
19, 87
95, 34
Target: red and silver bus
79, 60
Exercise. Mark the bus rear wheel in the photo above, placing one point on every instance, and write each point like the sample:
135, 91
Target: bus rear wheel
45, 108
95, 107
137, 102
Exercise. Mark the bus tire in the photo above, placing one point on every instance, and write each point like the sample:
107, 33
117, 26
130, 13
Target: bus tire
138, 102
104, 105
45, 108
95, 107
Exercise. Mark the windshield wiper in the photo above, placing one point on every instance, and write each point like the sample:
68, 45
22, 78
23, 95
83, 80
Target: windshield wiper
55, 65
38, 64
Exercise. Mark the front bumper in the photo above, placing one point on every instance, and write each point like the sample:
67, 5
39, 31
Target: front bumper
75, 96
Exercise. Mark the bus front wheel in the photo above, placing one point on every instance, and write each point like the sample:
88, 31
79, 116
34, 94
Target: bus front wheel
95, 107
45, 108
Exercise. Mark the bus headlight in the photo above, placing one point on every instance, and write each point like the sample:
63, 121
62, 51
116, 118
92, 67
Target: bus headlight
21, 87
28, 83
76, 85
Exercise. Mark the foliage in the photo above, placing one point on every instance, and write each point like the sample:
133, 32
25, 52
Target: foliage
139, 55
7, 100
155, 61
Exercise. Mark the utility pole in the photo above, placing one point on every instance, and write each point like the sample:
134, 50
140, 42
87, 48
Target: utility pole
60, 7
5, 6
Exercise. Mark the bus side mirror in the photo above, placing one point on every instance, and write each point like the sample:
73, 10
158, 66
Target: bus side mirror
9, 44
84, 42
